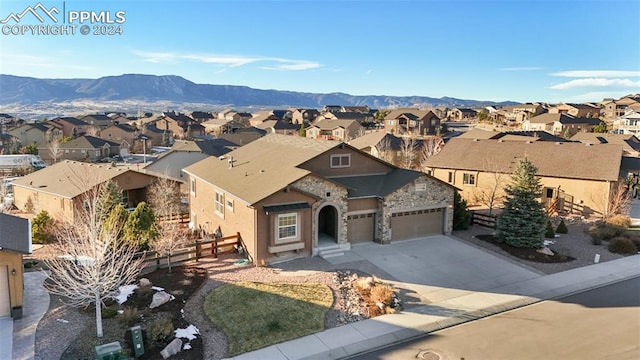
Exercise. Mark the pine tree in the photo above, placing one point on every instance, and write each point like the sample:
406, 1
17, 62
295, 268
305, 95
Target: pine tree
562, 227
140, 228
461, 215
549, 232
523, 221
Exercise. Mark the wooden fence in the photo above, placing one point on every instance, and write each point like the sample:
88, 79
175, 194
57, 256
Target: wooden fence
484, 220
200, 248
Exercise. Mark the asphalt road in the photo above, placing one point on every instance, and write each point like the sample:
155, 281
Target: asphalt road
603, 323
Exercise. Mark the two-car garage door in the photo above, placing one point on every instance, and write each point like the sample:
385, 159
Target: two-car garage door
416, 224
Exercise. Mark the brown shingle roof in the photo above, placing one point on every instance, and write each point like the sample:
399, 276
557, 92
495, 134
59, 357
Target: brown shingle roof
564, 160
628, 142
262, 167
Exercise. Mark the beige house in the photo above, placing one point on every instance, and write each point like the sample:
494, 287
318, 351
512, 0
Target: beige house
411, 121
560, 124
613, 109
72, 127
461, 114
329, 129
304, 116
579, 177
38, 133
58, 188
14, 243
576, 110
629, 143
516, 114
290, 196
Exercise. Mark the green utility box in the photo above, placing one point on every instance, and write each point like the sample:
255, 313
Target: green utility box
110, 351
136, 340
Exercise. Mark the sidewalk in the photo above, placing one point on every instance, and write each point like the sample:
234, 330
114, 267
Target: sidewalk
385, 330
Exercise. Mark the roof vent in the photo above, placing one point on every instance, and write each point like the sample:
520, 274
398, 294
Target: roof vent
475, 139
529, 142
558, 143
500, 140
588, 144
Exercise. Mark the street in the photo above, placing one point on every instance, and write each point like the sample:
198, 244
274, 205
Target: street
603, 323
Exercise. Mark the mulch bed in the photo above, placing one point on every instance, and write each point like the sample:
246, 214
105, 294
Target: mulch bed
182, 283
526, 253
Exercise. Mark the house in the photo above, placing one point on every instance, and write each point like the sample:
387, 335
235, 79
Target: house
157, 136
221, 126
411, 121
560, 124
332, 129
517, 135
8, 144
290, 196
14, 243
72, 127
343, 115
576, 110
613, 109
332, 108
628, 123
202, 116
629, 143
261, 116
516, 114
304, 116
578, 177
98, 120
400, 151
84, 148
38, 133
58, 188
279, 127
118, 133
461, 114
180, 125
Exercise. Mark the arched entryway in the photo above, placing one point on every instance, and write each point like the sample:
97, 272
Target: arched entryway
328, 225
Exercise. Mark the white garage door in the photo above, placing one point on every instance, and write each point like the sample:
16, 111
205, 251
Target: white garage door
5, 301
361, 228
416, 224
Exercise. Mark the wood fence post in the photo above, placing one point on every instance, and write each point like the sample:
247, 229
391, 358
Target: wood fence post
198, 250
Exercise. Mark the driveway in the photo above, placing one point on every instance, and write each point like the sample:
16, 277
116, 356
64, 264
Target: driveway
441, 267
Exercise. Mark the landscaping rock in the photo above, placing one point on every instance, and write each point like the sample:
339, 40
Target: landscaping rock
546, 251
173, 348
159, 298
144, 282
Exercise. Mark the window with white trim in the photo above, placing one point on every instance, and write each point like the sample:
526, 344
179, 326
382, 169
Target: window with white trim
219, 204
469, 179
230, 205
340, 160
192, 186
287, 227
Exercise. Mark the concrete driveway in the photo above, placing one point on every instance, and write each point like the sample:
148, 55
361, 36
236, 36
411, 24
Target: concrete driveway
442, 267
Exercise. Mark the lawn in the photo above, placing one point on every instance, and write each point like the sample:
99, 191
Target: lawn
254, 315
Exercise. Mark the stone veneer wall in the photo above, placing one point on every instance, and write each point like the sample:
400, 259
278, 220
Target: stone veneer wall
436, 195
338, 198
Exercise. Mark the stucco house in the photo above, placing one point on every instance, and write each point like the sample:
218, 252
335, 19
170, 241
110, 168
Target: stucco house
576, 110
331, 129
560, 124
613, 109
411, 121
580, 176
58, 188
14, 243
83, 148
460, 114
72, 127
290, 196
38, 133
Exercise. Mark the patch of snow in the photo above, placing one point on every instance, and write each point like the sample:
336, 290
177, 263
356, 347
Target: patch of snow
62, 321
120, 312
125, 292
189, 333
182, 313
556, 236
548, 242
186, 346
157, 288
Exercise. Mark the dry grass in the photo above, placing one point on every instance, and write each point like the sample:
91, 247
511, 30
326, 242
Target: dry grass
377, 295
254, 315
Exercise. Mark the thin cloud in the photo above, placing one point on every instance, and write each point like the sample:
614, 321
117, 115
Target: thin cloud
597, 73
42, 61
281, 64
522, 68
597, 82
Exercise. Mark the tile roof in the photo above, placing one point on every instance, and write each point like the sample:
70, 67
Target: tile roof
262, 167
70, 178
564, 160
16, 233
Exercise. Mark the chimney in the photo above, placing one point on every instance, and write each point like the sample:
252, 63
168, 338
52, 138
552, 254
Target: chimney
230, 162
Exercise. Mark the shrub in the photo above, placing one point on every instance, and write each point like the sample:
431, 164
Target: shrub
160, 330
42, 228
634, 236
129, 316
622, 245
382, 293
605, 231
619, 220
109, 312
549, 233
562, 228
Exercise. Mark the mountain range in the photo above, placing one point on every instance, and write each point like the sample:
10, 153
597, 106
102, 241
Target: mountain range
27, 91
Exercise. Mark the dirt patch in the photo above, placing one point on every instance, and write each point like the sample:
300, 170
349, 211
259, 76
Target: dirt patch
526, 253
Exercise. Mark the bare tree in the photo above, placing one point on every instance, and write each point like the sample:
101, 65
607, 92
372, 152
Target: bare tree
5, 196
384, 150
93, 131
490, 192
619, 200
408, 152
54, 149
90, 262
172, 237
430, 146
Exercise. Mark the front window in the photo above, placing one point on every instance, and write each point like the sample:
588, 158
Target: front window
219, 204
287, 227
340, 161
469, 179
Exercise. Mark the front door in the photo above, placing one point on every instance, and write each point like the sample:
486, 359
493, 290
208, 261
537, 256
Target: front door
5, 300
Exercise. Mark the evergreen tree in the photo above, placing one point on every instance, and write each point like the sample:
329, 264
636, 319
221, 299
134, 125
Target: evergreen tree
140, 228
461, 215
562, 227
549, 232
522, 222
109, 196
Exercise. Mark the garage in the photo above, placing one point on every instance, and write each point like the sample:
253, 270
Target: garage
361, 228
416, 224
5, 301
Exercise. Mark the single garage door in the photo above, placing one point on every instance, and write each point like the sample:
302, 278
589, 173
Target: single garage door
5, 301
361, 227
416, 224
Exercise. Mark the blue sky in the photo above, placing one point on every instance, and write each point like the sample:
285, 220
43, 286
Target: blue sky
553, 51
